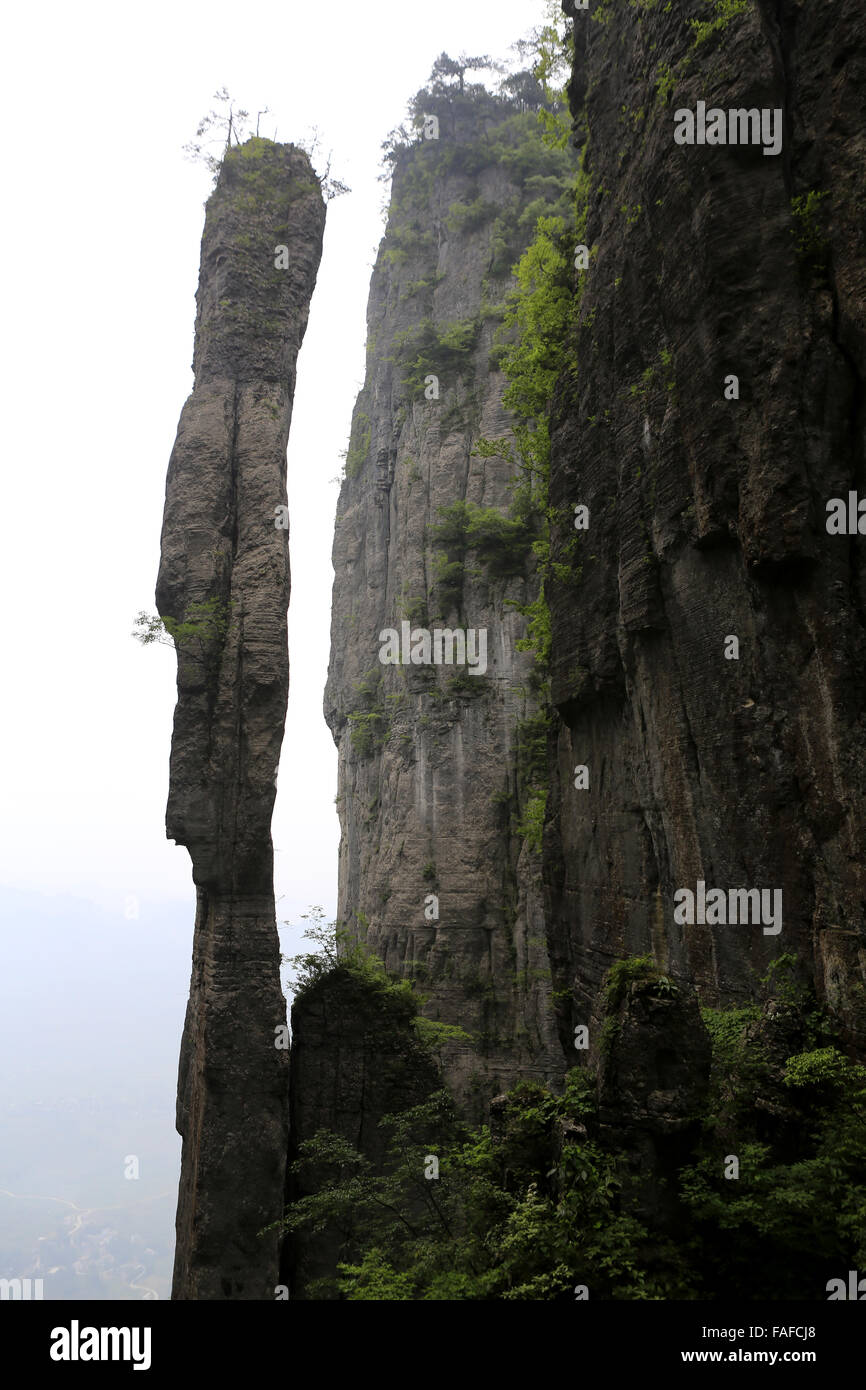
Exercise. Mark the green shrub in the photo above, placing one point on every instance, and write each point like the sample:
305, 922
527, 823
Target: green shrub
444, 351
501, 543
369, 719
199, 636
516, 1215
724, 11
368, 732
359, 444
531, 824
809, 240
463, 218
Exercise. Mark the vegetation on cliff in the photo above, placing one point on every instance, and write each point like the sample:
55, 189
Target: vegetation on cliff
544, 1203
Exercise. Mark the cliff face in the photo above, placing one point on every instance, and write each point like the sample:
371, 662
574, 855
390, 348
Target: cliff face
701, 740
224, 576
708, 511
436, 762
702, 726
356, 1058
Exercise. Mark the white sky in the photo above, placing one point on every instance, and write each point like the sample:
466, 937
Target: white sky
100, 240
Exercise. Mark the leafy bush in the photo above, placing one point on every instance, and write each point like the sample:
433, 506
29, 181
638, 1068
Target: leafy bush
368, 732
463, 218
443, 351
359, 444
724, 11
199, 635
540, 1199
515, 1214
501, 543
531, 824
810, 241
335, 948
369, 720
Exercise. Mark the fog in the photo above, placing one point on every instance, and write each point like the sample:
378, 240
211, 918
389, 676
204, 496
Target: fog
101, 242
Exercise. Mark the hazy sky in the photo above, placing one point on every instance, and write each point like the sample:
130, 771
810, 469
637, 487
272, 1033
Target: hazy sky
101, 244
100, 240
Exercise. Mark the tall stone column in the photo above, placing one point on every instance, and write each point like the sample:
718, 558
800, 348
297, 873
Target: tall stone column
224, 575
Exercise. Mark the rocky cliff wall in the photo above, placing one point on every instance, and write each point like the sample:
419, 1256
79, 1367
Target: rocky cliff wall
356, 1058
224, 577
436, 763
707, 504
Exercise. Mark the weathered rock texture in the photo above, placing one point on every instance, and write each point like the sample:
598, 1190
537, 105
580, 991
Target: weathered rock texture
707, 522
651, 1054
225, 568
707, 514
433, 763
356, 1057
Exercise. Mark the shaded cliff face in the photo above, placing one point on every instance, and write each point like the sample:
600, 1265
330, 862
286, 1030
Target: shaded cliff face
224, 573
436, 762
356, 1058
707, 514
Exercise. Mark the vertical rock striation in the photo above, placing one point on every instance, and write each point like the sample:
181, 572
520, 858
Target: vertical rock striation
707, 633
708, 513
224, 575
436, 764
356, 1059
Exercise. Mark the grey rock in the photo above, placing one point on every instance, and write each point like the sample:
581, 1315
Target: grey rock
220, 546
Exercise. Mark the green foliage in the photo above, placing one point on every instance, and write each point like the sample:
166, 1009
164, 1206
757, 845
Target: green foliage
724, 11
359, 444
442, 351
448, 578
368, 732
367, 688
551, 48
369, 719
809, 240
787, 982
636, 975
463, 218
199, 635
459, 337
522, 100
531, 824
463, 685
422, 288
665, 83
801, 1198
501, 543
405, 241
539, 633
374, 1280
797, 1123
310, 966
523, 1214
337, 950
414, 610
435, 1035
541, 323
217, 128
542, 1200
826, 1068
252, 160
726, 1028
541, 313
532, 776
532, 765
